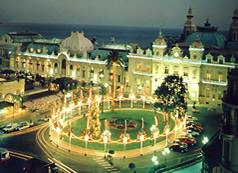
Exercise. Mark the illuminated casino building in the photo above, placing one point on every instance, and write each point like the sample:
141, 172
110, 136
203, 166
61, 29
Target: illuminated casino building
202, 58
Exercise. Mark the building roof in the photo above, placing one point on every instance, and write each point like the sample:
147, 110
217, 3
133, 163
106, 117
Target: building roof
24, 37
50, 47
77, 43
208, 35
103, 51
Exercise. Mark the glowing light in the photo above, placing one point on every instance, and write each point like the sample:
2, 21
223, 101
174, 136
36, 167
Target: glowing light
154, 158
86, 137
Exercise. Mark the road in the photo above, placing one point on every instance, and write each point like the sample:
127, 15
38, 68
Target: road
36, 144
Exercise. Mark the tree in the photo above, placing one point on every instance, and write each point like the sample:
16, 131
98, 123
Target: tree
102, 92
172, 96
114, 58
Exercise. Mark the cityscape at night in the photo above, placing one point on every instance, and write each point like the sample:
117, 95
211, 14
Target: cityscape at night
118, 86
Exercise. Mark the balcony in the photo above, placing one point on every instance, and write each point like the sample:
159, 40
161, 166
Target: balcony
214, 82
143, 73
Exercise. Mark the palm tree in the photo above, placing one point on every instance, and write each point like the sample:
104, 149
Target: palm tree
114, 58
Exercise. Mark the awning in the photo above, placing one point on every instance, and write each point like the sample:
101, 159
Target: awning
28, 103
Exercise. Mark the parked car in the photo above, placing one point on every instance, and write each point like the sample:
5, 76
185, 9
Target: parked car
178, 147
189, 141
189, 118
31, 123
4, 155
10, 127
194, 129
193, 133
23, 125
190, 123
185, 134
181, 143
196, 126
195, 110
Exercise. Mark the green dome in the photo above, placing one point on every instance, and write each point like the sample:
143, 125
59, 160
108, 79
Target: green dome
208, 35
208, 38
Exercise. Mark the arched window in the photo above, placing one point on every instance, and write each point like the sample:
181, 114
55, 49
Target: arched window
56, 68
63, 67
78, 70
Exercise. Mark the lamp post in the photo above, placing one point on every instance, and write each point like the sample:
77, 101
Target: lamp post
142, 138
80, 106
106, 136
89, 102
124, 141
58, 132
165, 152
86, 138
155, 132
132, 96
154, 159
167, 132
120, 97
143, 99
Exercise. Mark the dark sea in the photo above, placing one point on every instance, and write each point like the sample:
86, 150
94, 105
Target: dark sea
124, 35
144, 36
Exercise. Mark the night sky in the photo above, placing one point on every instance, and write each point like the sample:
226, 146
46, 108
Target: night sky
146, 13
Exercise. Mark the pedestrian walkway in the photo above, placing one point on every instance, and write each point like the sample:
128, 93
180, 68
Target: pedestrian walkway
105, 164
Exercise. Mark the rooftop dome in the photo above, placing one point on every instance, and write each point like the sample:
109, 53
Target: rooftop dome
160, 40
208, 36
77, 43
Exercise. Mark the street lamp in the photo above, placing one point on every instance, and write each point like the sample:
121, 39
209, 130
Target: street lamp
205, 140
167, 128
120, 98
124, 141
58, 132
106, 136
86, 138
132, 96
165, 152
155, 133
154, 159
80, 106
142, 138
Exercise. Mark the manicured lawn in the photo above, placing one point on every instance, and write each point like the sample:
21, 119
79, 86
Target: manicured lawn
134, 115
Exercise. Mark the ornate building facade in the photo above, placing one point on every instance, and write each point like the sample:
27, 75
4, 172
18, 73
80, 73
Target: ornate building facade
70, 58
202, 59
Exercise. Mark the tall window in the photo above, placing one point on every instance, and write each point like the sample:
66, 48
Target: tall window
78, 70
42, 67
138, 67
92, 73
208, 77
148, 69
118, 78
166, 70
220, 77
185, 71
208, 92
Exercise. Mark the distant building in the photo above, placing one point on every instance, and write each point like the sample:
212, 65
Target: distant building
9, 88
14, 42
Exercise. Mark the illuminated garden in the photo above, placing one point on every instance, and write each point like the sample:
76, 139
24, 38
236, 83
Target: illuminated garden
127, 125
